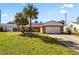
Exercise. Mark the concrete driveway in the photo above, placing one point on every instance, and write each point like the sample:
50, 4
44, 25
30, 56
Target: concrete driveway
71, 41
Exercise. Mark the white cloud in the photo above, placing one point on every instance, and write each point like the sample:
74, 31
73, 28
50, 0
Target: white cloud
69, 5
4, 14
63, 11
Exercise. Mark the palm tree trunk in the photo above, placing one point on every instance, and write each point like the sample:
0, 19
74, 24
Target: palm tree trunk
30, 26
18, 28
22, 29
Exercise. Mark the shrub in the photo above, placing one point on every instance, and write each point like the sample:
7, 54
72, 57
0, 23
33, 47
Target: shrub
69, 31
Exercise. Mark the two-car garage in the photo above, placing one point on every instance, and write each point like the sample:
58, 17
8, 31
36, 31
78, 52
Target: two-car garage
53, 29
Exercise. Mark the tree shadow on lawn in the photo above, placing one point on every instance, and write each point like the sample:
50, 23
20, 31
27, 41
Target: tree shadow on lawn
70, 44
45, 39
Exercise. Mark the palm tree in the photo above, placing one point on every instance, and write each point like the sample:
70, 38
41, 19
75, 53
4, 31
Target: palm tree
62, 21
20, 19
17, 20
31, 12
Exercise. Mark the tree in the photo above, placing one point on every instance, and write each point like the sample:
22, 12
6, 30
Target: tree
62, 21
11, 22
41, 22
78, 19
36, 22
17, 20
31, 12
20, 19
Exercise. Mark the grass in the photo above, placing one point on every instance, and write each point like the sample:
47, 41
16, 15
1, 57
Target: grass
14, 43
75, 33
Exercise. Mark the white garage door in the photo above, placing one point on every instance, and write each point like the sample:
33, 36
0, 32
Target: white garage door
52, 29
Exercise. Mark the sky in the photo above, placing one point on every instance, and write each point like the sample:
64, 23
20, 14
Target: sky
47, 11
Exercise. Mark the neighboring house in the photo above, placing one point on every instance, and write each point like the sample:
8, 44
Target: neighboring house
8, 27
48, 27
74, 27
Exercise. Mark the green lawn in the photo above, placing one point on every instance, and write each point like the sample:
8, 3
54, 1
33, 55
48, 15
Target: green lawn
32, 44
76, 33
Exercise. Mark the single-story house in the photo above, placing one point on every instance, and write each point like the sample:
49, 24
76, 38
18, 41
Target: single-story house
48, 27
74, 27
8, 27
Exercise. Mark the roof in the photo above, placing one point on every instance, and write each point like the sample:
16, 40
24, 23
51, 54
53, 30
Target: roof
53, 23
8, 25
1, 25
35, 25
